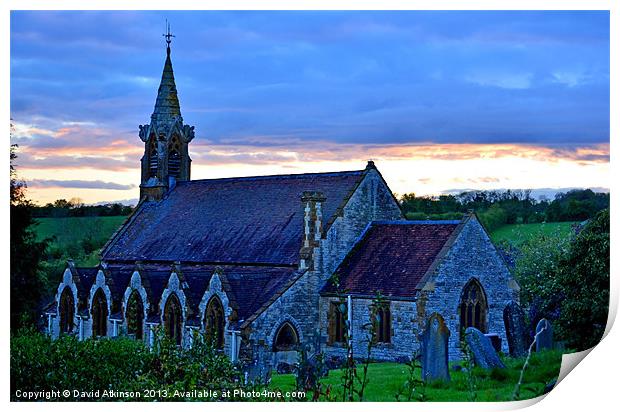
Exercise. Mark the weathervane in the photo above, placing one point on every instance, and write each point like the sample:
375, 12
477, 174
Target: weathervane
168, 35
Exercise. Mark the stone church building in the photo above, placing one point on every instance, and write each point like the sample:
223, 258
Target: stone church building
268, 264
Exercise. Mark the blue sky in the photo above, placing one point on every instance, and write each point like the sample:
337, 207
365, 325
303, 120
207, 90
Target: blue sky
299, 90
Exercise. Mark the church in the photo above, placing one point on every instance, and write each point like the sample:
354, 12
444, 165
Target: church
266, 265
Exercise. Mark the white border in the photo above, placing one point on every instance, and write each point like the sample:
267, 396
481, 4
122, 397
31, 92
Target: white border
591, 386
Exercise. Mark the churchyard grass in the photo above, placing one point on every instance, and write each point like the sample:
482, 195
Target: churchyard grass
386, 379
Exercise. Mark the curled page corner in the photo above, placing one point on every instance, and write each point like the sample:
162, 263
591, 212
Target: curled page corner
569, 361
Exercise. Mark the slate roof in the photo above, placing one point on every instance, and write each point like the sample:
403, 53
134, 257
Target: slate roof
87, 277
252, 287
392, 258
167, 103
246, 220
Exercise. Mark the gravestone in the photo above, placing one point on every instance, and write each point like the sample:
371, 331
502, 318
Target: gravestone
482, 350
544, 335
514, 321
435, 349
496, 341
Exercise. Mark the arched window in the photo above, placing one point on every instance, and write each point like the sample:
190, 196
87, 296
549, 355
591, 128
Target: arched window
99, 313
336, 324
152, 151
214, 322
67, 310
174, 157
286, 338
173, 319
134, 314
383, 323
473, 307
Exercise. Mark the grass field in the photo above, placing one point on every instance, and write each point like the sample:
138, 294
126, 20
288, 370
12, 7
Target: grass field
78, 238
68, 230
521, 232
387, 379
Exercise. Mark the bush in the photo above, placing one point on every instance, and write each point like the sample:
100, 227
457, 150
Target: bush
536, 270
416, 216
493, 218
120, 364
584, 272
566, 280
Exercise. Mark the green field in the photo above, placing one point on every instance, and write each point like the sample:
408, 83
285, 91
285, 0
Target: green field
386, 379
521, 232
69, 230
77, 238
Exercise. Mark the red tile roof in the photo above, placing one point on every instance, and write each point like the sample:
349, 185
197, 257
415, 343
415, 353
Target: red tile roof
391, 258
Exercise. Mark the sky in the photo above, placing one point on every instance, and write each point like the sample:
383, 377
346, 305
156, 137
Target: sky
441, 101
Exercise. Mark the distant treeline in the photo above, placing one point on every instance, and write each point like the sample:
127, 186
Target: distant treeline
75, 208
496, 208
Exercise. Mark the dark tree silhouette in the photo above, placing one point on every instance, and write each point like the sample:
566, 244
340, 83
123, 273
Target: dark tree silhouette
26, 254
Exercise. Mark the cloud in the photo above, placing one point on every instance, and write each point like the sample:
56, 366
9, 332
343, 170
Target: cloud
298, 151
28, 160
501, 80
569, 78
79, 184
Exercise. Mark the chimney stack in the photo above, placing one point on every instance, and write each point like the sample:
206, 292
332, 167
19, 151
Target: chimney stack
313, 227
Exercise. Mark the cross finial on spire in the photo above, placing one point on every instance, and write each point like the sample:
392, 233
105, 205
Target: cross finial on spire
168, 35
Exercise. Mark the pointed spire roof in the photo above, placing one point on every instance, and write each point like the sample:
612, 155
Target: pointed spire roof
167, 104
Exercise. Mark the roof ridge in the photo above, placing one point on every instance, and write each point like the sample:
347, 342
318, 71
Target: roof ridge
415, 222
291, 175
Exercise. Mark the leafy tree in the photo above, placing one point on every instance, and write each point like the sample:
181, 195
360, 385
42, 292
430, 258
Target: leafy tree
26, 255
536, 269
494, 218
576, 205
584, 276
566, 280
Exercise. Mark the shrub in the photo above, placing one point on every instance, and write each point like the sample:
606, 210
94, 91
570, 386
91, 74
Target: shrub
120, 364
584, 276
493, 218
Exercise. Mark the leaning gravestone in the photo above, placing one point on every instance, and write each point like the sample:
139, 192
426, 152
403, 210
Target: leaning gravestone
544, 335
482, 350
435, 349
514, 321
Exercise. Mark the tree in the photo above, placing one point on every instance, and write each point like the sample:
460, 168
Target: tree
26, 254
566, 280
536, 270
584, 272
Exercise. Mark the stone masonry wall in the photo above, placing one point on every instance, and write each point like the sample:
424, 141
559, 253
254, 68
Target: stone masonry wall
299, 304
403, 339
292, 306
473, 255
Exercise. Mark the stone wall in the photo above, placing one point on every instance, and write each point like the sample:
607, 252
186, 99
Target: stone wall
472, 256
403, 340
291, 306
372, 200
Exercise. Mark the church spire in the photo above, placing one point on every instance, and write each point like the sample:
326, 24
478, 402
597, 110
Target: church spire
166, 139
167, 105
